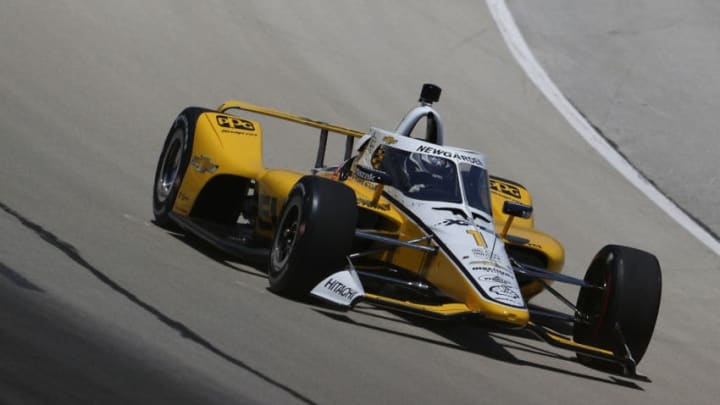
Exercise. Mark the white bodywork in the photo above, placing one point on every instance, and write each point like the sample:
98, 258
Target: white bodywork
342, 288
465, 233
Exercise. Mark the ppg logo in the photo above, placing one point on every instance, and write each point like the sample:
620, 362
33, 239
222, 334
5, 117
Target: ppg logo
235, 123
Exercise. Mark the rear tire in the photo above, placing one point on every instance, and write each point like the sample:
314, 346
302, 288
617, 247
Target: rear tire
314, 235
631, 299
172, 164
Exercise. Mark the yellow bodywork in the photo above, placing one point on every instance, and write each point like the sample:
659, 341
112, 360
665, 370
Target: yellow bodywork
225, 144
233, 146
523, 229
233, 149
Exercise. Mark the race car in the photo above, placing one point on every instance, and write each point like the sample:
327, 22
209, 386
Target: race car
404, 222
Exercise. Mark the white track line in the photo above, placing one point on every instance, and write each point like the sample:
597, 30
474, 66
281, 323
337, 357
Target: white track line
520, 50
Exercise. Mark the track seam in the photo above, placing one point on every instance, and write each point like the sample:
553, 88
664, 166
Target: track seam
184, 331
526, 59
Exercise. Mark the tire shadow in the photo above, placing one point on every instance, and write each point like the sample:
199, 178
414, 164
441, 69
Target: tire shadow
477, 339
255, 268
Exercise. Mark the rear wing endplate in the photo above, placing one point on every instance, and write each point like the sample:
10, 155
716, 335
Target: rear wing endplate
324, 127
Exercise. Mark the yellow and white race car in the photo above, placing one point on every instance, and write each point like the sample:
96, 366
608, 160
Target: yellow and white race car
404, 222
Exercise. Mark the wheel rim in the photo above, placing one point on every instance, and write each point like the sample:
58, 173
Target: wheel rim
595, 304
170, 168
285, 239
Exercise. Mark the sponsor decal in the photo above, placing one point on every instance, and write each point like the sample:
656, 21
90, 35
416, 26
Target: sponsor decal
492, 269
342, 288
483, 263
235, 123
204, 164
363, 175
377, 158
496, 280
430, 150
338, 288
505, 188
478, 237
368, 174
485, 254
232, 131
452, 222
182, 196
504, 290
363, 182
389, 140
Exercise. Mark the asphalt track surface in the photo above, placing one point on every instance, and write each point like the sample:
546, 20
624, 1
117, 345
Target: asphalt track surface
87, 92
644, 73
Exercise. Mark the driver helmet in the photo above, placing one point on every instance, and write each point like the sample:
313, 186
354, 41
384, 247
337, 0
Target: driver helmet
429, 169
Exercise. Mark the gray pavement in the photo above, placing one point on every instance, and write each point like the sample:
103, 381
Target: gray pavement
88, 89
54, 355
645, 74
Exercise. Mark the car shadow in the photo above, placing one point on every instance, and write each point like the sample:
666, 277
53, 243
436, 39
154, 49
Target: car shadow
254, 268
478, 339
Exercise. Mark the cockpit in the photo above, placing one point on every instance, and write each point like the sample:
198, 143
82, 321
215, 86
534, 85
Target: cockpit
427, 177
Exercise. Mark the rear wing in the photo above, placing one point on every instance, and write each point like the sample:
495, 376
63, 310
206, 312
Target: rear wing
324, 127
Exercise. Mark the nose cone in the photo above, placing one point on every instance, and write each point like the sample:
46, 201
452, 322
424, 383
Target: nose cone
483, 259
485, 263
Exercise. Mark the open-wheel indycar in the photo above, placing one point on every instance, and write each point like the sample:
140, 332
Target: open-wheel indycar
404, 222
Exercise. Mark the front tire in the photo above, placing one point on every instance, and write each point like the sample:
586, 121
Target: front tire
172, 164
314, 235
630, 299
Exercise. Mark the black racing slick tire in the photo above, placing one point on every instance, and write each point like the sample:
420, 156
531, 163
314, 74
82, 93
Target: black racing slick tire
314, 235
630, 300
172, 164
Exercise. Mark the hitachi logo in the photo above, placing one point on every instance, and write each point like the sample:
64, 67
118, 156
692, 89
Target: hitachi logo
336, 287
446, 153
